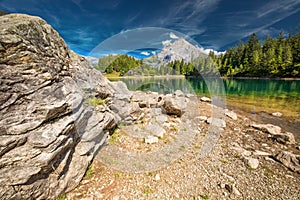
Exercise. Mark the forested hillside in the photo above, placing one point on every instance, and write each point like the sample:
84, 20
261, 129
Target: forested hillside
279, 57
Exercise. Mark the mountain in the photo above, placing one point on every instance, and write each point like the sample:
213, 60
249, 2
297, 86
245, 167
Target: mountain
180, 49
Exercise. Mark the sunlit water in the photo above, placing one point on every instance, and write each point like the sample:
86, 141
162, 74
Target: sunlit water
257, 98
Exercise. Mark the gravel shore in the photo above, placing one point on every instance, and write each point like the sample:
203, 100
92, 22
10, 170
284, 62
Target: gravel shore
241, 166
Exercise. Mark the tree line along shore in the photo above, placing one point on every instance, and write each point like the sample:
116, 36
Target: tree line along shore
273, 57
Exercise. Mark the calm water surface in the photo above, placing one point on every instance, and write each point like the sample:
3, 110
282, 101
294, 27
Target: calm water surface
258, 97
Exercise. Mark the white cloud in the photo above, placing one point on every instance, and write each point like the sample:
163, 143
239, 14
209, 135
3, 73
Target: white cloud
145, 53
178, 17
206, 51
241, 25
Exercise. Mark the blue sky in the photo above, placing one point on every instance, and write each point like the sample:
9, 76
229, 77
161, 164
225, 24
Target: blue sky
214, 24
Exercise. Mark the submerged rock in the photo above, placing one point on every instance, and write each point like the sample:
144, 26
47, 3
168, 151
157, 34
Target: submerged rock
49, 122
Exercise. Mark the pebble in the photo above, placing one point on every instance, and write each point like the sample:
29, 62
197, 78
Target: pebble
157, 177
252, 162
277, 114
205, 99
202, 118
151, 139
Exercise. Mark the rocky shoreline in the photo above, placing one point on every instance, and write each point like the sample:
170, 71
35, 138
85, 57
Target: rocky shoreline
248, 161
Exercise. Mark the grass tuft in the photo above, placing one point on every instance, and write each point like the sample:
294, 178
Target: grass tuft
89, 172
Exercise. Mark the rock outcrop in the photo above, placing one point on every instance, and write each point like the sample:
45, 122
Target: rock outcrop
49, 130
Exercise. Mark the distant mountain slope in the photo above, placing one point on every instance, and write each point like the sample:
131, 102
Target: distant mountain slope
179, 50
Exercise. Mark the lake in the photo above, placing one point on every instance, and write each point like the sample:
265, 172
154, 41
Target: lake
257, 98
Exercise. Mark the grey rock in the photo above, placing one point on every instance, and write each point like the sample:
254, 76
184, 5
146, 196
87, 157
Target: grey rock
121, 91
285, 138
49, 131
277, 114
231, 114
241, 150
151, 139
202, 118
253, 163
268, 128
216, 122
174, 106
149, 99
261, 153
156, 130
155, 111
161, 118
290, 160
179, 93
205, 99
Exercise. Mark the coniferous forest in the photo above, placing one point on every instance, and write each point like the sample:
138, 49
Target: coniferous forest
274, 57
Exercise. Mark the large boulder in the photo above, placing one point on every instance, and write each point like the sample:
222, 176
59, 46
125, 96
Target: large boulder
49, 132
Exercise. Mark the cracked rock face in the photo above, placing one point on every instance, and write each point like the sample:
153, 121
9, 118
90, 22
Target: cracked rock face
49, 132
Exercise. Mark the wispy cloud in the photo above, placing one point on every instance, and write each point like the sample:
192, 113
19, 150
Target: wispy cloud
187, 16
258, 20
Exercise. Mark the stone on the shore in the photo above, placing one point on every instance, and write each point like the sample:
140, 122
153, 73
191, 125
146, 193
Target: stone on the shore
216, 122
277, 114
156, 130
268, 128
202, 118
174, 106
241, 150
157, 177
251, 162
205, 99
290, 160
161, 118
231, 114
285, 138
261, 153
151, 139
179, 93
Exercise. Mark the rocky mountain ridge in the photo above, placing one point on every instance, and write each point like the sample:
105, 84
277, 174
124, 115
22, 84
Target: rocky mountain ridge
180, 49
